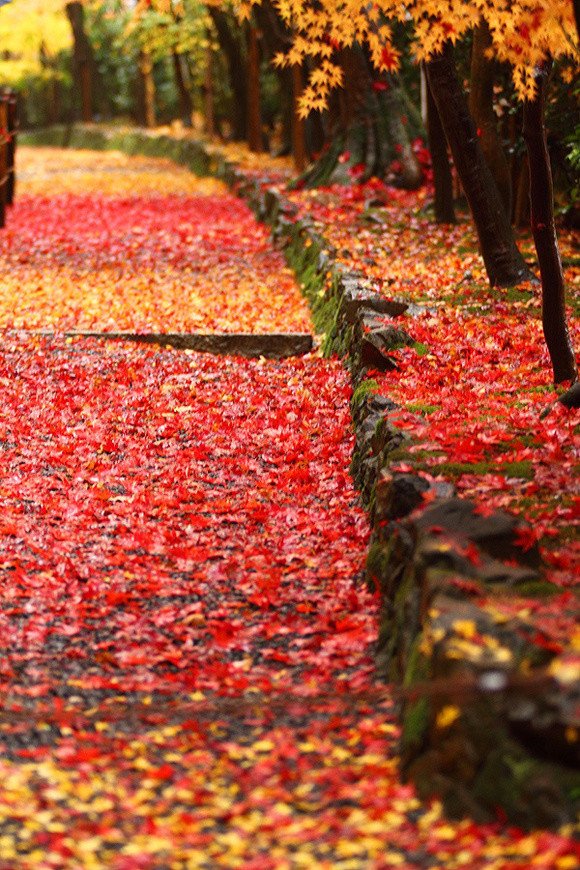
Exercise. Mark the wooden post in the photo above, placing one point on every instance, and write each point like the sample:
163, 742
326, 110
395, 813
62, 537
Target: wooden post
12, 107
3, 157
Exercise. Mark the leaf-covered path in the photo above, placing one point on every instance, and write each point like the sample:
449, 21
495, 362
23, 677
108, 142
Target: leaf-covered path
186, 671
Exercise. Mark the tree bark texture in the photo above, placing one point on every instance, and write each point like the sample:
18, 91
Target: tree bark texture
208, 93
442, 176
185, 101
481, 108
298, 137
146, 90
504, 264
544, 232
255, 139
82, 58
237, 71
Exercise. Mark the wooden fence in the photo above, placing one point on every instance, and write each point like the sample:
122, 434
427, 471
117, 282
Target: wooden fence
8, 127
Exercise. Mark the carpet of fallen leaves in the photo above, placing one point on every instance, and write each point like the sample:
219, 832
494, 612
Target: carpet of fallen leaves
186, 670
104, 241
473, 387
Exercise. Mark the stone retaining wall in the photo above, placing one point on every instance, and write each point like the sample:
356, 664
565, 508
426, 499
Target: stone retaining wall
490, 719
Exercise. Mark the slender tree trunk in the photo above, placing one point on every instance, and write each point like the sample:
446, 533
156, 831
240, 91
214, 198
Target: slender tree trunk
146, 90
83, 58
504, 264
255, 140
298, 140
237, 71
544, 231
185, 103
442, 177
577, 16
208, 93
482, 111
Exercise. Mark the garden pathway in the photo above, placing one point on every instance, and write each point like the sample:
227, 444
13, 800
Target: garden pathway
186, 673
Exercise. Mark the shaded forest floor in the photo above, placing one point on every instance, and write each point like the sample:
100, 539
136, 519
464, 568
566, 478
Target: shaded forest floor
187, 668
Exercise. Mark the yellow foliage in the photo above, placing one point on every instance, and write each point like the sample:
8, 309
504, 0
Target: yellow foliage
523, 33
447, 716
25, 26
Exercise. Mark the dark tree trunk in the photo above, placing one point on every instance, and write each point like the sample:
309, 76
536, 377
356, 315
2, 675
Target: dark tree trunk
482, 111
442, 177
577, 16
48, 63
83, 59
237, 71
255, 138
185, 102
544, 231
146, 90
504, 264
298, 139
208, 93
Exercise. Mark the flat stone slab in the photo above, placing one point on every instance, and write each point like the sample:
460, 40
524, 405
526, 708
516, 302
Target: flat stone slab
275, 345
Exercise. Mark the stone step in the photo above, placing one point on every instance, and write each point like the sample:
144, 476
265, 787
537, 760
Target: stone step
275, 345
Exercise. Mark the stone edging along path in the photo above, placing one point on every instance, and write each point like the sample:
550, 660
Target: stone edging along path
489, 720
272, 345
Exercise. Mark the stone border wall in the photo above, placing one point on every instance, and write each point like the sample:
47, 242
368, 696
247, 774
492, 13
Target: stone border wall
490, 718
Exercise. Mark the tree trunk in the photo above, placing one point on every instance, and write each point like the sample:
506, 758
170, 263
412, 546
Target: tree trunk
82, 57
255, 140
146, 90
481, 108
208, 93
544, 231
411, 176
185, 102
442, 177
298, 140
237, 71
577, 16
504, 264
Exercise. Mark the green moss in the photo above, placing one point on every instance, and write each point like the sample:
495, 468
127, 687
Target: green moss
536, 589
422, 349
422, 408
418, 666
377, 564
415, 724
365, 389
522, 469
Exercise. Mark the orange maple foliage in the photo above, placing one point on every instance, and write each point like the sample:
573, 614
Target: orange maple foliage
106, 241
523, 34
